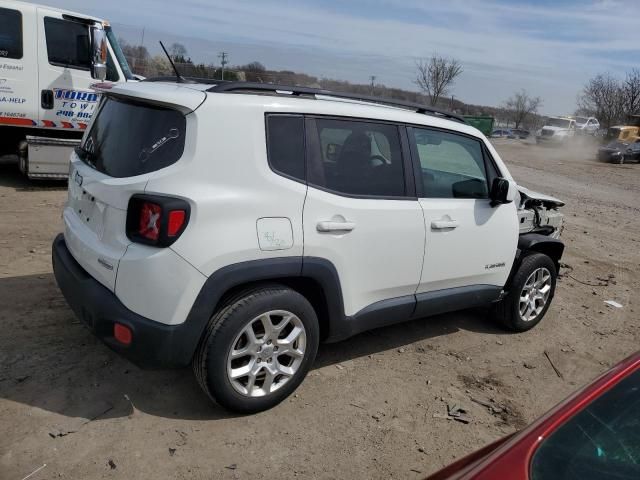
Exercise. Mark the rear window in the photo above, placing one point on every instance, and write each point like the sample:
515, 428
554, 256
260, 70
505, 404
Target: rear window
128, 139
10, 33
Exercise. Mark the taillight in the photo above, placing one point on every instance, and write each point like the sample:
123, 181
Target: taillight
156, 220
149, 224
176, 221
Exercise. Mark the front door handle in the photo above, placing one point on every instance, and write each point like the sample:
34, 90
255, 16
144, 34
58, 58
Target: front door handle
46, 99
444, 224
335, 226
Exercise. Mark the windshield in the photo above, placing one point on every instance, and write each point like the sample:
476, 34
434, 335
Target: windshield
119, 54
581, 120
129, 138
613, 132
559, 122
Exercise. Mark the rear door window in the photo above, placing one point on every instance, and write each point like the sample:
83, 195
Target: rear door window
67, 43
10, 33
356, 157
130, 138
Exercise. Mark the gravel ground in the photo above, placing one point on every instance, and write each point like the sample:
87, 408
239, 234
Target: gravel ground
372, 407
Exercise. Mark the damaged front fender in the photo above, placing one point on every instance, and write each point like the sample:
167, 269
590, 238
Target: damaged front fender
538, 213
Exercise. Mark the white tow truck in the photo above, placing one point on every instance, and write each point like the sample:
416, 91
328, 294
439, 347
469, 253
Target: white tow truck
49, 58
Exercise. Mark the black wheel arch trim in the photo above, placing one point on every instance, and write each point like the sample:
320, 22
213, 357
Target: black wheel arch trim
552, 247
536, 243
323, 272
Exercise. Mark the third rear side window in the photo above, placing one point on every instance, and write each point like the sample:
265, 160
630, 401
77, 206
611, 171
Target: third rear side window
285, 145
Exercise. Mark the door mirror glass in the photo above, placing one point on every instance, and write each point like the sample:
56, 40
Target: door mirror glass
98, 54
502, 191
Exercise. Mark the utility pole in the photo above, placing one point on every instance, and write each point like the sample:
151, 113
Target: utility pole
373, 82
223, 56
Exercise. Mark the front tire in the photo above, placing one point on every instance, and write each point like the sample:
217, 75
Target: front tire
621, 160
530, 294
257, 349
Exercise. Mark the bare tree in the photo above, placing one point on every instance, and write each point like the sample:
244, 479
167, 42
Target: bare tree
520, 106
604, 96
436, 75
178, 51
631, 92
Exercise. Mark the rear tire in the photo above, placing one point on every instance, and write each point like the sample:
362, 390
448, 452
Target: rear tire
530, 294
271, 334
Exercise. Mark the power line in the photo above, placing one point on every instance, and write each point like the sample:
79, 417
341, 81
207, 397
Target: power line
223, 56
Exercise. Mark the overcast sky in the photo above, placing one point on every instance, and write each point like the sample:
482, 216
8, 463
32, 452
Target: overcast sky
548, 47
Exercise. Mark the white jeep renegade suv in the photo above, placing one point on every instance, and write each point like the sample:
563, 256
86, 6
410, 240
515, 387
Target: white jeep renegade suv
235, 226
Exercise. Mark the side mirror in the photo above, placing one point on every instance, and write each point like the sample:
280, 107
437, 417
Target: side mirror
502, 191
98, 54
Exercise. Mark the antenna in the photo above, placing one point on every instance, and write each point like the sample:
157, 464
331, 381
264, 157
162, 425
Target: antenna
179, 78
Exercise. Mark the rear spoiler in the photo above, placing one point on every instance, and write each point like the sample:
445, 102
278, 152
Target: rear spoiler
176, 96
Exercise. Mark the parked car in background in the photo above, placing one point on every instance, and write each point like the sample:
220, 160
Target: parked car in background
521, 133
557, 131
587, 125
619, 152
623, 133
175, 256
503, 133
592, 435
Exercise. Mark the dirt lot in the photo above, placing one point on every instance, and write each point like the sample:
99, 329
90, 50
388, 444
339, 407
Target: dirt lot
367, 408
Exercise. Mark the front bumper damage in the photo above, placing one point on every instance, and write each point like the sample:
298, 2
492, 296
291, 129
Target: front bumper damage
538, 213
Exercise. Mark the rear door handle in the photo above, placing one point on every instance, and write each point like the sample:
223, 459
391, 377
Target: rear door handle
444, 224
335, 226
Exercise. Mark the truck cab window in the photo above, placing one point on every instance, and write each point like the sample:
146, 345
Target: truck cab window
112, 71
67, 43
10, 33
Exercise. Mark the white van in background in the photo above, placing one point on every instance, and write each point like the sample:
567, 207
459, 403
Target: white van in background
49, 58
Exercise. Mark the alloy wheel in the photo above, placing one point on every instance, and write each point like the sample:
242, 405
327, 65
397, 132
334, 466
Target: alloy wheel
535, 294
266, 353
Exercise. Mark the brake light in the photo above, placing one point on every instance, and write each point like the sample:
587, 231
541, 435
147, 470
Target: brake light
155, 220
176, 220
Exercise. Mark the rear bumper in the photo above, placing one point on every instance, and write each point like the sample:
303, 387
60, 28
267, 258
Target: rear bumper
154, 345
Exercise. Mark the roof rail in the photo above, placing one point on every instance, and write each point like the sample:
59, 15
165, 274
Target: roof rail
298, 91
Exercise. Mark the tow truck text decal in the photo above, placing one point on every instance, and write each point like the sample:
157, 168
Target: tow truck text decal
75, 104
